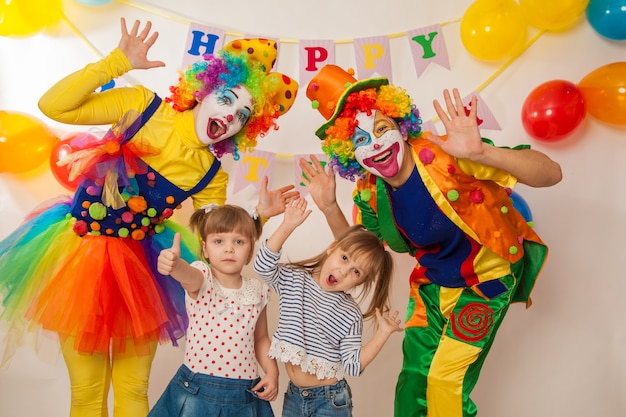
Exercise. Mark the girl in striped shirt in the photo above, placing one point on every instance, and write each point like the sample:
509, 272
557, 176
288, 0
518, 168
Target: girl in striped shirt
320, 326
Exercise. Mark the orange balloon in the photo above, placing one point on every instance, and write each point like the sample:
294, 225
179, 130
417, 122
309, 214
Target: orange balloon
25, 142
604, 90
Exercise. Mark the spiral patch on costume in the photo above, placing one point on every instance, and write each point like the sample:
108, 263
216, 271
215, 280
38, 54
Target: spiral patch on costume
472, 323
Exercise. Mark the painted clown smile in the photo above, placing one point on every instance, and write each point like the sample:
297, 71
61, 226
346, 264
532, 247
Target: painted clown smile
378, 161
215, 128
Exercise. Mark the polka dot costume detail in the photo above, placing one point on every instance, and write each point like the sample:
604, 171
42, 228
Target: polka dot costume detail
220, 337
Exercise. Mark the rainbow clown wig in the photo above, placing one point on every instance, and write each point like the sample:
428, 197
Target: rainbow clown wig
245, 62
339, 97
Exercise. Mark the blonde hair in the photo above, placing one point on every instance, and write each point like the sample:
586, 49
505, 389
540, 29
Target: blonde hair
359, 242
225, 219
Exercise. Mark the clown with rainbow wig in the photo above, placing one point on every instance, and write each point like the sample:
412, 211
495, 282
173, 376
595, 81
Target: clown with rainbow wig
84, 268
443, 200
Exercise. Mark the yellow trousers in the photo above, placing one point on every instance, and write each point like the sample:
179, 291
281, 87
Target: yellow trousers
92, 375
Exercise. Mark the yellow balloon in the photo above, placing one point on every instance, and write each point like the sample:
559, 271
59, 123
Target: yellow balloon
25, 142
552, 15
493, 29
604, 91
27, 17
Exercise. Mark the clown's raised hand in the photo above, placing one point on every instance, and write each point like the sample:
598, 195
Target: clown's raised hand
463, 136
135, 45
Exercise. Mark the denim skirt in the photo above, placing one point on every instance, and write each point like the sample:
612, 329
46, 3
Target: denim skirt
197, 395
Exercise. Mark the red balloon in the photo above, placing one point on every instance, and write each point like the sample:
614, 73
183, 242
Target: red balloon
553, 110
62, 149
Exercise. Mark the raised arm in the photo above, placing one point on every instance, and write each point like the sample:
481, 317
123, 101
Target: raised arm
295, 214
322, 187
170, 263
464, 140
273, 202
136, 44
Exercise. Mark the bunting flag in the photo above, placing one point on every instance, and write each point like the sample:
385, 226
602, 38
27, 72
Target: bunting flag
486, 119
313, 55
298, 174
251, 168
429, 126
372, 57
201, 40
428, 45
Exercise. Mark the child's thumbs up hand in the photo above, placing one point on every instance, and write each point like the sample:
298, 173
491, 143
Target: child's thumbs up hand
168, 258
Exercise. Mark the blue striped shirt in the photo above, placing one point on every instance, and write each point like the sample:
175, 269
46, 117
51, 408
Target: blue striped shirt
318, 330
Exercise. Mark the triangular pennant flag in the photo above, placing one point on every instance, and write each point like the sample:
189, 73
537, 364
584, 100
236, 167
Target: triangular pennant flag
298, 174
251, 168
372, 57
486, 119
429, 126
201, 40
428, 45
314, 54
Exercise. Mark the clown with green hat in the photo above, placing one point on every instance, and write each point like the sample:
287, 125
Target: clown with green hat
445, 201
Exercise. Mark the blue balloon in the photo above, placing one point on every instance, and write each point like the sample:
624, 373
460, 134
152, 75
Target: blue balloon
520, 205
608, 18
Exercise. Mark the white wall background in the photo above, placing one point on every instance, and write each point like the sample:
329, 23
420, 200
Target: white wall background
565, 356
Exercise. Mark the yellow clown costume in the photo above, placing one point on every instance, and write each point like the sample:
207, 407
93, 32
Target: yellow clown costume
85, 267
475, 254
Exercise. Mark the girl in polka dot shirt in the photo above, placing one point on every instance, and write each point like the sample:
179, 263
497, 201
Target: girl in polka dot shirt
227, 338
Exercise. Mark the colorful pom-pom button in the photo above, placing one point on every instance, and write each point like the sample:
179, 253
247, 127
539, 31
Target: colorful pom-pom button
151, 176
128, 217
167, 213
366, 195
137, 204
453, 195
152, 212
451, 169
93, 190
95, 226
159, 228
80, 228
497, 234
513, 250
315, 104
123, 232
97, 211
426, 156
504, 209
145, 221
138, 234
477, 196
169, 199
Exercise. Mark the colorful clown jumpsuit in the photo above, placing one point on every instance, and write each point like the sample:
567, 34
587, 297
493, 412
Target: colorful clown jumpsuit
475, 255
85, 268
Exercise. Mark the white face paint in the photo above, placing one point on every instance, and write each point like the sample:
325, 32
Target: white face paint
378, 144
222, 114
